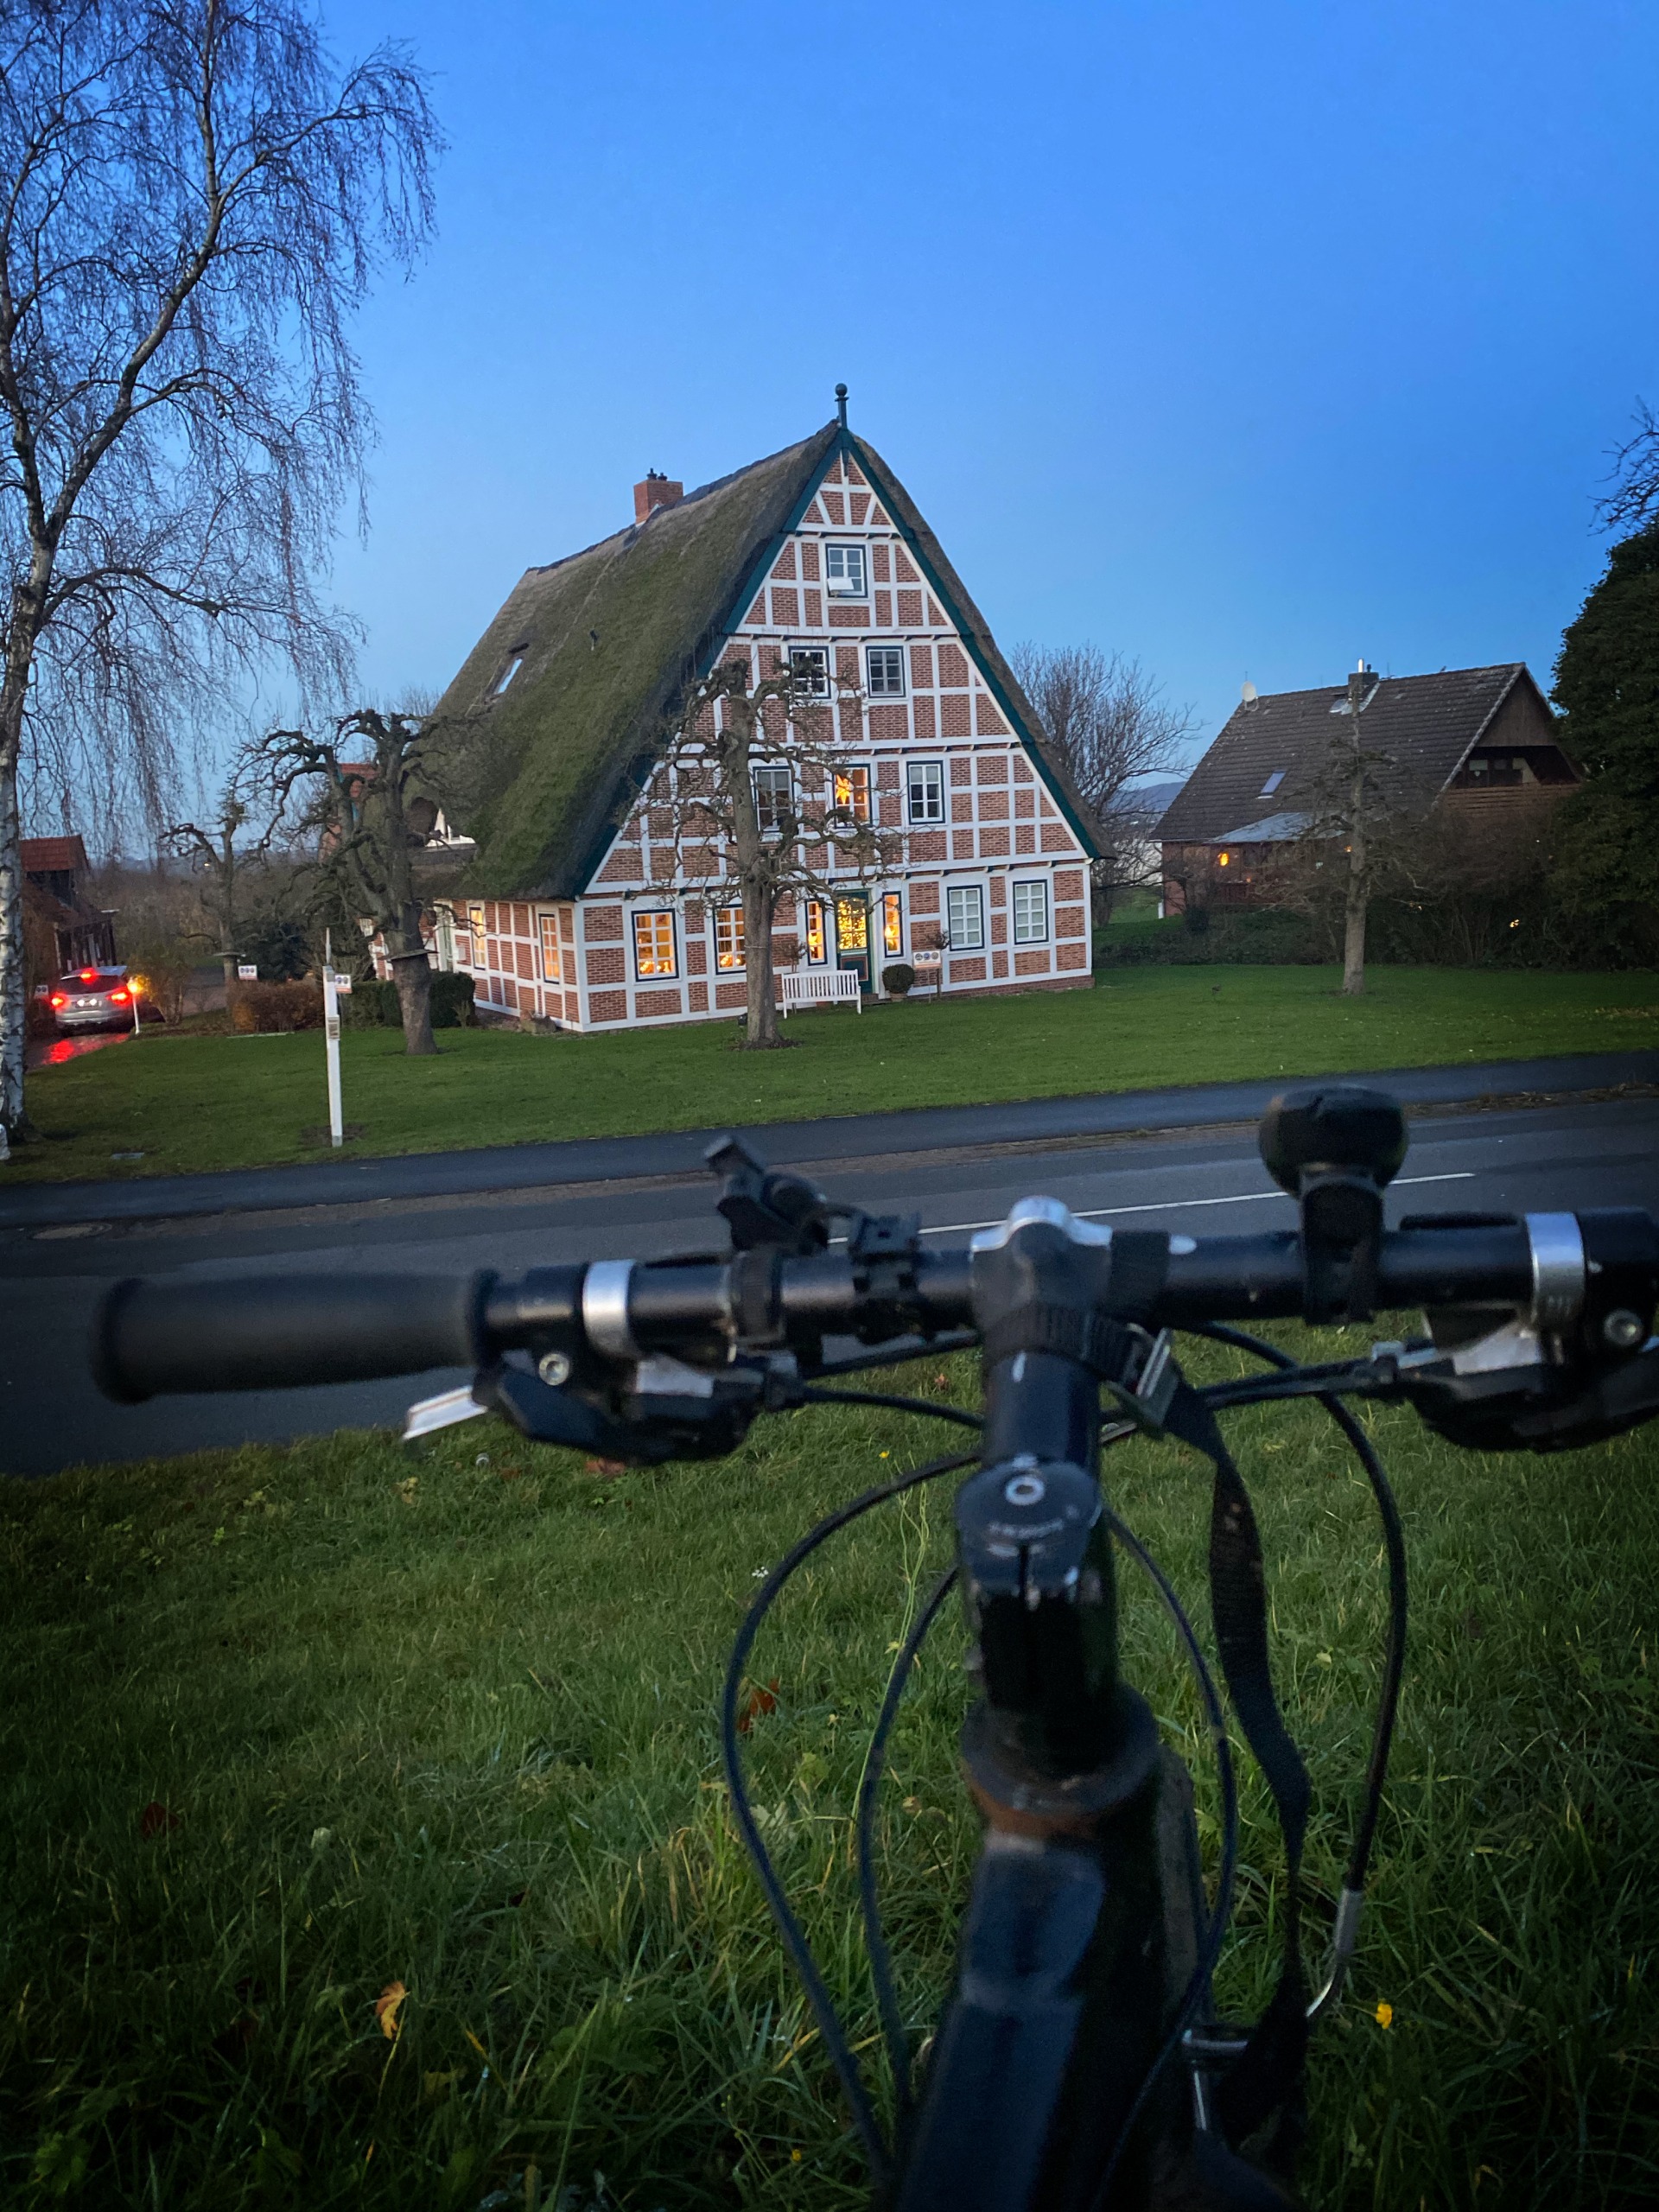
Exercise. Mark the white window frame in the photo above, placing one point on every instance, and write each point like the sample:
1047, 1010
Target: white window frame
913, 769
849, 813
844, 548
826, 923
898, 661
776, 801
671, 974
1027, 885
818, 686
730, 968
551, 932
953, 892
892, 909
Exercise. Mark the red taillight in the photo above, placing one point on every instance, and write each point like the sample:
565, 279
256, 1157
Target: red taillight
119, 998
89, 975
59, 999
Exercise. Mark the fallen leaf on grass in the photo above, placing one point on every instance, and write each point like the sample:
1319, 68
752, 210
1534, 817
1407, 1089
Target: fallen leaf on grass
407, 1489
155, 1820
756, 1703
388, 2008
604, 1466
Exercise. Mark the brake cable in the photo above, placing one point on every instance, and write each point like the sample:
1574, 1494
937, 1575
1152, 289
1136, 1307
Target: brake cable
795, 1942
1345, 1933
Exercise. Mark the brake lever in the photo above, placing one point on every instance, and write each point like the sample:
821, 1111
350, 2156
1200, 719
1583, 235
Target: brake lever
660, 1410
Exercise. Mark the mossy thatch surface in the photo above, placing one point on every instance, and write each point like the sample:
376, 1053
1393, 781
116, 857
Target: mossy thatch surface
611, 639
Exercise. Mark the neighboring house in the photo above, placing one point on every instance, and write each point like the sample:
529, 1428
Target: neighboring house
815, 558
61, 921
1479, 741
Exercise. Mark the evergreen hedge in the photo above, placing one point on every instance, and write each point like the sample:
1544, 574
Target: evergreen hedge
374, 1005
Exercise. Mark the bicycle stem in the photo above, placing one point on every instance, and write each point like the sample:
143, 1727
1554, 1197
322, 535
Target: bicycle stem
1059, 1993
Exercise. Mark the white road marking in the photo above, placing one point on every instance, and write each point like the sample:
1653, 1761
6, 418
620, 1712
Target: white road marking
1167, 1205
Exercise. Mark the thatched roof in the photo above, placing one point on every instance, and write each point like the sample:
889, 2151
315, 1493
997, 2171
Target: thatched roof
1420, 728
607, 643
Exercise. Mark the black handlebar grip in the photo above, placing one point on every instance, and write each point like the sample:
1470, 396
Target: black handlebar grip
272, 1332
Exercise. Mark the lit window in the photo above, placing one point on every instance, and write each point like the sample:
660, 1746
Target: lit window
852, 793
884, 671
965, 915
852, 926
772, 795
1223, 860
810, 667
927, 788
550, 973
892, 925
729, 937
481, 940
1031, 914
843, 571
815, 932
1272, 783
653, 945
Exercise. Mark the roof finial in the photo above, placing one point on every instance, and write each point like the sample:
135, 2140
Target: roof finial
841, 405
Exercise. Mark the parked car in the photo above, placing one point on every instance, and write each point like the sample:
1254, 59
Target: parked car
92, 998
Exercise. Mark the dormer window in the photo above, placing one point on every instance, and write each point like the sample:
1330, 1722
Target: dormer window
1272, 783
844, 572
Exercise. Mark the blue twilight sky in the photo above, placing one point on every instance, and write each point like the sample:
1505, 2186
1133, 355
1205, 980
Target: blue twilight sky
1245, 339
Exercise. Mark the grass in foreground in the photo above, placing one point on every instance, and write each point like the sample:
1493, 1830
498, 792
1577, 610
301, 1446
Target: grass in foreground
285, 1730
188, 1102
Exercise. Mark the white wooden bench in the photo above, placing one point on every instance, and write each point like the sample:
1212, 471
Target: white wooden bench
821, 987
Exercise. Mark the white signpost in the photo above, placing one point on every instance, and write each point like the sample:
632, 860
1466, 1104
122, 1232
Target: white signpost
247, 972
331, 1037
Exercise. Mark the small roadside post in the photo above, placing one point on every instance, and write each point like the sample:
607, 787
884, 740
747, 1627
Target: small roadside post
331, 1038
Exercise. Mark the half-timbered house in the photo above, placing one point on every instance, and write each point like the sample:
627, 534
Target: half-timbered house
815, 560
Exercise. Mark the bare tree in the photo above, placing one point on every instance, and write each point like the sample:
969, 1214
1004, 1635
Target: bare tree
1633, 500
759, 791
1112, 724
366, 796
223, 867
191, 204
1354, 834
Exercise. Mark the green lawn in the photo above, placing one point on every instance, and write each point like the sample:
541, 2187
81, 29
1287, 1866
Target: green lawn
284, 1728
230, 1102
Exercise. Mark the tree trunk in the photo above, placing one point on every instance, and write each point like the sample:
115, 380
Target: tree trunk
1353, 936
13, 966
412, 974
762, 1028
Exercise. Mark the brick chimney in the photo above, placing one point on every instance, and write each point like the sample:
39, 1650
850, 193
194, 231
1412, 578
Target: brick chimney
657, 491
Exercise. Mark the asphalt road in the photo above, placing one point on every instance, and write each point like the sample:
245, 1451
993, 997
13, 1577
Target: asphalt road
1559, 1156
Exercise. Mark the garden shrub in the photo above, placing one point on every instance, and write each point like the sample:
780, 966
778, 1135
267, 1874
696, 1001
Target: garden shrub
256, 1009
374, 1004
897, 978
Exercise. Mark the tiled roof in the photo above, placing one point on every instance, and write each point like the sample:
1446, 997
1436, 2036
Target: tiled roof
1420, 727
52, 856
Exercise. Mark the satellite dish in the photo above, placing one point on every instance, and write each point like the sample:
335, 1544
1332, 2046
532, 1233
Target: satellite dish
1249, 693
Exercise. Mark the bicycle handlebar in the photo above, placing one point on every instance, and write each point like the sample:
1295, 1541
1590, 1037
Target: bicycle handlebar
277, 1332
270, 1333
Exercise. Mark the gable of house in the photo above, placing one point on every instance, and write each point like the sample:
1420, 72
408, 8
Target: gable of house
569, 699
1268, 763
